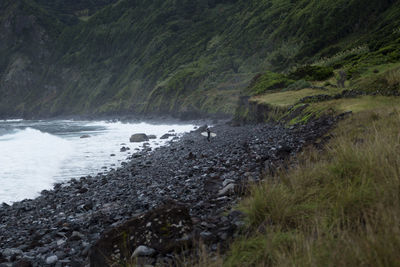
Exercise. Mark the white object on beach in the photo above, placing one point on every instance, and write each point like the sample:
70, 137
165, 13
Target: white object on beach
205, 134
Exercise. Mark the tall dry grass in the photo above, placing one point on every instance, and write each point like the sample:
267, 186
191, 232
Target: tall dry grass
393, 77
340, 207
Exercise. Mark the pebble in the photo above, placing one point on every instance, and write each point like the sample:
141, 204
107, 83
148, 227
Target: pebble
227, 190
142, 251
52, 259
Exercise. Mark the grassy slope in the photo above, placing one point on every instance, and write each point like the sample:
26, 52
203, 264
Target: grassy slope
338, 207
175, 56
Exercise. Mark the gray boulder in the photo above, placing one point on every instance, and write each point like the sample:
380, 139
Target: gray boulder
139, 137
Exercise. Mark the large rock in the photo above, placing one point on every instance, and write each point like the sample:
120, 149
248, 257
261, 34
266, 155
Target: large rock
139, 137
165, 229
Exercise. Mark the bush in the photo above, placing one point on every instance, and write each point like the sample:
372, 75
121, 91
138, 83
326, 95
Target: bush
298, 85
267, 82
312, 73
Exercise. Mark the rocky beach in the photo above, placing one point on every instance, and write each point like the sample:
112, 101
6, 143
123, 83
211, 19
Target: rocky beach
156, 204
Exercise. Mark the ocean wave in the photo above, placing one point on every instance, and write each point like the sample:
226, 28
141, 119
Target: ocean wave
29, 160
12, 120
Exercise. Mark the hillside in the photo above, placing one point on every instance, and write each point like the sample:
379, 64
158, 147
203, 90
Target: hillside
171, 57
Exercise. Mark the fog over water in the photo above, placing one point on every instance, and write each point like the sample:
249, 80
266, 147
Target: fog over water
36, 154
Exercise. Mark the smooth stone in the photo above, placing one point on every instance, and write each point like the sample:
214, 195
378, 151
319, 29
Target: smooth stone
227, 181
76, 236
60, 242
143, 251
52, 259
229, 189
206, 235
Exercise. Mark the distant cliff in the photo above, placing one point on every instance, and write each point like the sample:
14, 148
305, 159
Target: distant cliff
168, 56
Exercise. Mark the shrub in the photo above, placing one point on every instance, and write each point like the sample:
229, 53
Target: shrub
298, 85
267, 82
312, 73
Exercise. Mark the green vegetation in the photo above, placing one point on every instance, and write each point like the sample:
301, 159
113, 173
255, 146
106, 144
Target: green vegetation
286, 98
267, 82
374, 81
158, 56
387, 83
339, 206
312, 73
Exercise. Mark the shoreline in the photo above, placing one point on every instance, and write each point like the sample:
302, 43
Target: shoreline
108, 157
208, 178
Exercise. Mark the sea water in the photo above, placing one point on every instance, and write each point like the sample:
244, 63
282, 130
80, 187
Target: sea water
36, 154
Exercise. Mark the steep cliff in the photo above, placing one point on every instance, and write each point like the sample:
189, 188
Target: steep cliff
171, 56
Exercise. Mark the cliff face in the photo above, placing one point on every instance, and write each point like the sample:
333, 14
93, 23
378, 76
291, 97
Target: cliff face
175, 57
25, 50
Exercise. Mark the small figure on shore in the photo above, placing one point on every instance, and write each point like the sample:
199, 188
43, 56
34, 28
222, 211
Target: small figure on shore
208, 134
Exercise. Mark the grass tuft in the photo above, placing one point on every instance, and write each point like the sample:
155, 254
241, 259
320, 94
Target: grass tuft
393, 77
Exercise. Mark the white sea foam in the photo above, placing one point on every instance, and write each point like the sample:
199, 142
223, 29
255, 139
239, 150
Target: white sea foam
29, 159
32, 160
13, 120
